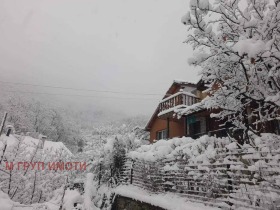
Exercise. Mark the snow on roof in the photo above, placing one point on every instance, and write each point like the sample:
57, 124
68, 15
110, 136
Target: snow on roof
186, 110
31, 143
151, 119
179, 107
183, 82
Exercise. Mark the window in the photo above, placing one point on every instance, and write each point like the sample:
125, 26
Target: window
277, 126
194, 128
162, 134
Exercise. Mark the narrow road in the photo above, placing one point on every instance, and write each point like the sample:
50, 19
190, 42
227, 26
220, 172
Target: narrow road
50, 206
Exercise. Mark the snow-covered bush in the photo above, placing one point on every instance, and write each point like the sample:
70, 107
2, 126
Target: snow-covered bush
111, 159
105, 153
71, 197
201, 150
90, 192
237, 45
24, 184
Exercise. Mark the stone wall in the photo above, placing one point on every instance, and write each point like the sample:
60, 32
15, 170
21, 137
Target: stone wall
125, 203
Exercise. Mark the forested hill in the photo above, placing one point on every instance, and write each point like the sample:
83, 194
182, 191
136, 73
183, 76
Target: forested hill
61, 123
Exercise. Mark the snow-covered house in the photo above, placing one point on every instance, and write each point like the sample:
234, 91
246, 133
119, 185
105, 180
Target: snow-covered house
165, 124
182, 112
29, 143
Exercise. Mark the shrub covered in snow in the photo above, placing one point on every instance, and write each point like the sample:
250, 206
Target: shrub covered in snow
72, 197
202, 150
24, 184
90, 192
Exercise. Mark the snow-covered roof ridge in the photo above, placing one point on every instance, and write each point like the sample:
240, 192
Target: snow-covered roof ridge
184, 82
58, 145
180, 111
174, 109
31, 143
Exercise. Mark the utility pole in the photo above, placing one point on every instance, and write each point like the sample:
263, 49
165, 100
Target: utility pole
2, 127
3, 122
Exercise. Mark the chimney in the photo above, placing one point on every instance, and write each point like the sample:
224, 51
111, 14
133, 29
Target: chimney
43, 139
9, 130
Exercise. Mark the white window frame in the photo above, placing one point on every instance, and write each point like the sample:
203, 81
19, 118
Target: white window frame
162, 134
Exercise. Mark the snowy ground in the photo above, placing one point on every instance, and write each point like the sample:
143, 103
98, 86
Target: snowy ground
7, 204
167, 201
50, 206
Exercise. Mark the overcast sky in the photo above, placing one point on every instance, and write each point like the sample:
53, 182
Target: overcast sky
107, 45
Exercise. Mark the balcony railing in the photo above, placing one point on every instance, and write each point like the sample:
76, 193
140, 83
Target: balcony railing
180, 98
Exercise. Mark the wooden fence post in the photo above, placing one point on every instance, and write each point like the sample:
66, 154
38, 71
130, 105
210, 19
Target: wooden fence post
131, 172
64, 189
99, 177
229, 179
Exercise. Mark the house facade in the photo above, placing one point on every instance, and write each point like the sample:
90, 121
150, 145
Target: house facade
164, 125
195, 120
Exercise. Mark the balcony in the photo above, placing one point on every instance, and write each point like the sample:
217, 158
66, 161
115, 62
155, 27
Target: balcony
177, 100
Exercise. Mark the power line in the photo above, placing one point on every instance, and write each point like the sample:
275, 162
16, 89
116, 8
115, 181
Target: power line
86, 96
79, 89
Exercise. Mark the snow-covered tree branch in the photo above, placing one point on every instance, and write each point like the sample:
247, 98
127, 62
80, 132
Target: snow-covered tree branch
237, 45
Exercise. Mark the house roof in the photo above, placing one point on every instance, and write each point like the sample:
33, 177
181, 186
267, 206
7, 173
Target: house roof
30, 144
148, 126
183, 82
170, 91
175, 84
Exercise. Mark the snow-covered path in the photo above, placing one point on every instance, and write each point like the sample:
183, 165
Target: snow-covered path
167, 201
22, 208
27, 207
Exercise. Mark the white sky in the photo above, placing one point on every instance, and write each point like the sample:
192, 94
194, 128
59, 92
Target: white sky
121, 45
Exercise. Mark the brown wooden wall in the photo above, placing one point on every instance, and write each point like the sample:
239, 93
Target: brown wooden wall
176, 128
